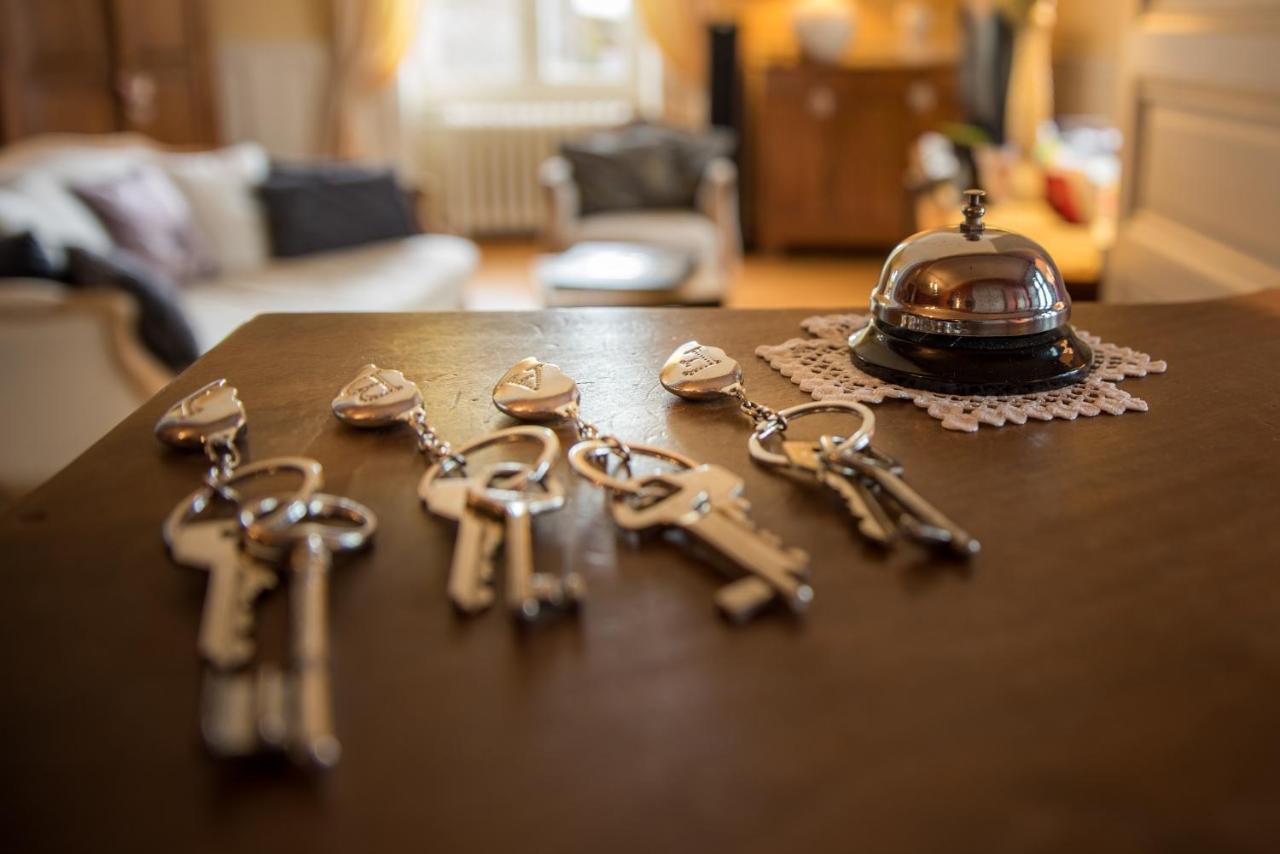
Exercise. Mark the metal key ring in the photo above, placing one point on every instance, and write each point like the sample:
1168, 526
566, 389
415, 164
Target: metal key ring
264, 536
289, 511
584, 454
856, 442
510, 473
520, 433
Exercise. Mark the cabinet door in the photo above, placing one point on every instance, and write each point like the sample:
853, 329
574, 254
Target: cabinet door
866, 174
796, 135
162, 70
55, 67
834, 152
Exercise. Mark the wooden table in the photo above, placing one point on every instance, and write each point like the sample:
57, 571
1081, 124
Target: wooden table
1104, 676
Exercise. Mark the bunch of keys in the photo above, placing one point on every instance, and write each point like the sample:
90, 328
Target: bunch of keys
246, 709
868, 482
702, 502
493, 504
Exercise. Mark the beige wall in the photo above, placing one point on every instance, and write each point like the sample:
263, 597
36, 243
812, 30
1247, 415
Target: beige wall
1087, 44
269, 20
272, 66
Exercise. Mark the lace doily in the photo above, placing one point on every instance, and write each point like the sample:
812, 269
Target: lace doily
821, 366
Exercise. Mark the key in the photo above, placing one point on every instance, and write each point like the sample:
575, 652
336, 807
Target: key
926, 521
706, 503
477, 499
874, 521
471, 570
235, 581
527, 591
333, 523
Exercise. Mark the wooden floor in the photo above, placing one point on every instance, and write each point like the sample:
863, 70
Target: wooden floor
504, 281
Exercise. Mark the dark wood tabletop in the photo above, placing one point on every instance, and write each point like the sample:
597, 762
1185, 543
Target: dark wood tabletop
1104, 676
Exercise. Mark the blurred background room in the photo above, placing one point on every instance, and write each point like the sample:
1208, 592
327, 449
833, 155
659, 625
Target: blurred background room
172, 168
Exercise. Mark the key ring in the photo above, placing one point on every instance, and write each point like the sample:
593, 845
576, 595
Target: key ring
588, 459
508, 435
859, 440
291, 510
264, 535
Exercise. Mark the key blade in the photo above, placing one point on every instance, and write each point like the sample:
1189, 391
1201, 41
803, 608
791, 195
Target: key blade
470, 571
743, 599
780, 568
961, 542
873, 520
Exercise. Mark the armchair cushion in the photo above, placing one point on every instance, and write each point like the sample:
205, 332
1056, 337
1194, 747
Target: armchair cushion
642, 166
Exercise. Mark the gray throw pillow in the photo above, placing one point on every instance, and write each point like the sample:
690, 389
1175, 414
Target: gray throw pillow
333, 206
643, 166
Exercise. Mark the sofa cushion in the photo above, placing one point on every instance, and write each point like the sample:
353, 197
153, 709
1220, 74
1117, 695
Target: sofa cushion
39, 204
642, 166
425, 272
148, 216
685, 231
316, 209
162, 325
220, 187
22, 256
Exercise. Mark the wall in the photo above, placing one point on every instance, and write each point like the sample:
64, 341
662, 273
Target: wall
1087, 45
271, 60
768, 38
269, 20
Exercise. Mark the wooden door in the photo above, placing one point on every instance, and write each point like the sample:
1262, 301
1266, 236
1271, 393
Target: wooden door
55, 67
1201, 200
93, 66
162, 70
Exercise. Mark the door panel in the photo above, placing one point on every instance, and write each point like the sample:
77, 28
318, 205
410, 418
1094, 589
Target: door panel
162, 70
1202, 155
93, 66
56, 60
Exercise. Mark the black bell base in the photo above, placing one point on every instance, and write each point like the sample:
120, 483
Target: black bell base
952, 364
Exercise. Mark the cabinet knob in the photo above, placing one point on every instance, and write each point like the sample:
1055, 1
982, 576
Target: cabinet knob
922, 97
822, 102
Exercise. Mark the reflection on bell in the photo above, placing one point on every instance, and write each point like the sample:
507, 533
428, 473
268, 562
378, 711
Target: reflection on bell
971, 310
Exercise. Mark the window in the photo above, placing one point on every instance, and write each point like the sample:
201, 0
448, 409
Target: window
581, 41
524, 47
473, 43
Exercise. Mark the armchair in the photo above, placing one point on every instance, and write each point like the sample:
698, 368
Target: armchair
71, 367
710, 232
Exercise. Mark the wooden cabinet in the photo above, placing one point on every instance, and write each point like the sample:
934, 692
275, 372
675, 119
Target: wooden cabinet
832, 151
92, 66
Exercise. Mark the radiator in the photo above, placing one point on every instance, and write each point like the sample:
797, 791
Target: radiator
487, 157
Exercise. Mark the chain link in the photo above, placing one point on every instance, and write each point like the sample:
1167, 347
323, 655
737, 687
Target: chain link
432, 445
223, 456
585, 430
767, 421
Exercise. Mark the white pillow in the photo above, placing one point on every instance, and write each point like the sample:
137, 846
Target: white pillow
36, 203
219, 186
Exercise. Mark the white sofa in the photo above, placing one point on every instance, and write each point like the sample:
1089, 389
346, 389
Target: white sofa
420, 273
45, 348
